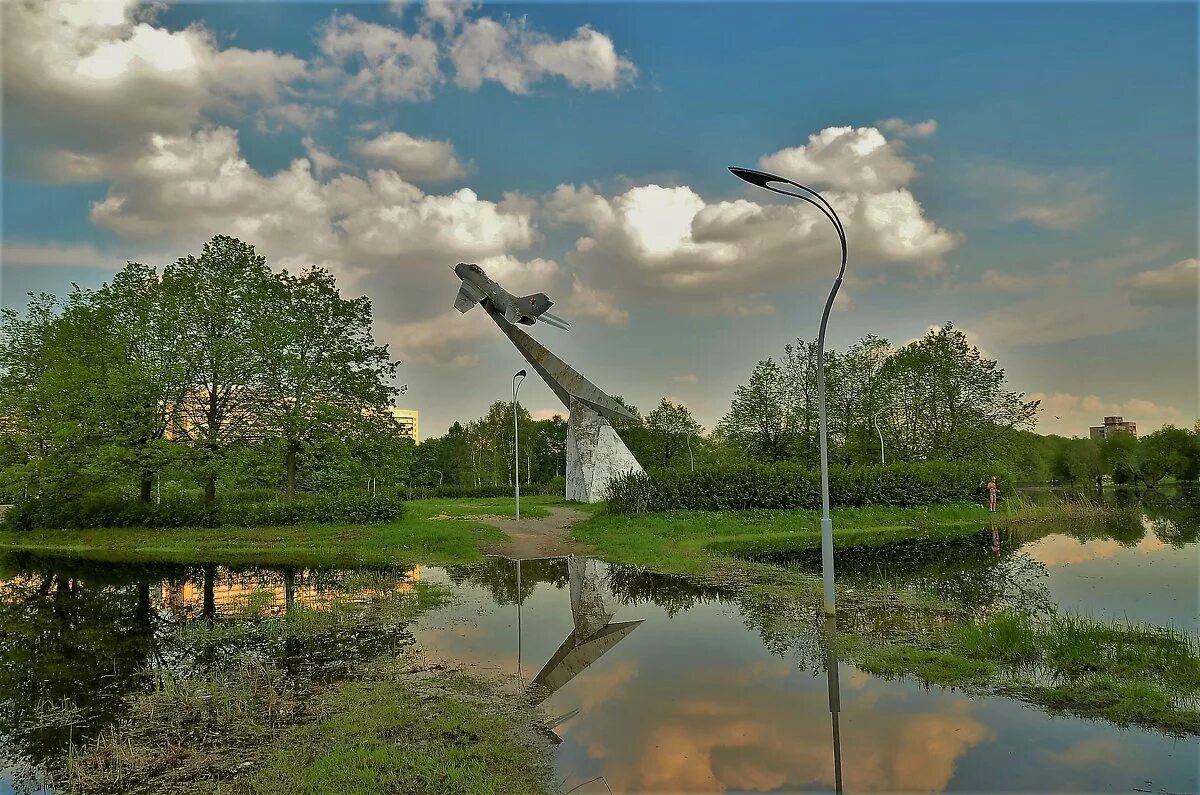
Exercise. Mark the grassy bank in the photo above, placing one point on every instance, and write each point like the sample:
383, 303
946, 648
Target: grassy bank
250, 726
1128, 674
708, 543
432, 531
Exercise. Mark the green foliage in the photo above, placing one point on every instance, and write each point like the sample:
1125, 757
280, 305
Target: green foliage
752, 486
100, 510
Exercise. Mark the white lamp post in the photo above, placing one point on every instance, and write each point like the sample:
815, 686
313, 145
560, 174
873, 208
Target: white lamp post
773, 183
517, 379
875, 418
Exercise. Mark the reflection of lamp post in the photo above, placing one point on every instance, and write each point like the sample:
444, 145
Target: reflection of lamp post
517, 379
875, 419
772, 182
835, 697
519, 621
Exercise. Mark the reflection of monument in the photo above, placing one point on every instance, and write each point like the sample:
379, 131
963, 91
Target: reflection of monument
595, 454
593, 635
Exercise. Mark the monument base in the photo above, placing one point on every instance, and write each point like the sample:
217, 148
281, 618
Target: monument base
595, 455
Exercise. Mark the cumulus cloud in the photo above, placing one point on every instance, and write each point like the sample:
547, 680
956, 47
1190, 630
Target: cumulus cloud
321, 159
588, 302
383, 235
1174, 285
903, 129
1061, 215
516, 57
413, 158
79, 255
380, 61
86, 81
726, 256
844, 158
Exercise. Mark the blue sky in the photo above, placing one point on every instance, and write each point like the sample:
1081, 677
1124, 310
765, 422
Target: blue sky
1026, 171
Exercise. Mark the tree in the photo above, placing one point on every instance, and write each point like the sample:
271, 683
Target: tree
761, 416
1166, 452
222, 301
321, 369
672, 427
946, 401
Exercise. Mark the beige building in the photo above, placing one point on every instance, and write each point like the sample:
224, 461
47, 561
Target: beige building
409, 421
1113, 425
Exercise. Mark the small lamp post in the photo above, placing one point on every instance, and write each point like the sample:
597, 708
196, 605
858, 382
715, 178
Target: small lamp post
875, 419
517, 379
777, 184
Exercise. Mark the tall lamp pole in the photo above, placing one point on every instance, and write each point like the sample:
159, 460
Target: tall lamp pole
777, 184
517, 379
875, 418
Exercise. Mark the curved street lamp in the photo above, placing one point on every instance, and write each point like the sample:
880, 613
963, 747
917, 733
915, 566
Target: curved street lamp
517, 379
875, 419
781, 185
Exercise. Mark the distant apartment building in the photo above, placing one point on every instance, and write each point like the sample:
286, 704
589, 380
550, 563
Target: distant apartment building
1113, 425
409, 421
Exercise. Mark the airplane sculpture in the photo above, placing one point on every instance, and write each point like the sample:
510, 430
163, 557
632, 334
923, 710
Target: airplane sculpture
525, 309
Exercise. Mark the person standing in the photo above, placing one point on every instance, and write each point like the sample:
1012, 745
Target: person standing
993, 492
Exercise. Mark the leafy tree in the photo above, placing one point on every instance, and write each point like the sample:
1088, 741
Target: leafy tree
671, 426
321, 369
222, 300
761, 416
946, 401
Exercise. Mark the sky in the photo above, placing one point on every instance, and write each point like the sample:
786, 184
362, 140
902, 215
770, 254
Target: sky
1026, 171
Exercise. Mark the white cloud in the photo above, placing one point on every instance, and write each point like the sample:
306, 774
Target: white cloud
588, 302
655, 242
903, 129
322, 160
413, 158
1175, 284
380, 62
686, 378
511, 54
844, 158
1058, 200
86, 81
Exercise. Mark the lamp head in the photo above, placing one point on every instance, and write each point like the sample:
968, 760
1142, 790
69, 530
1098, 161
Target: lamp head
520, 374
764, 179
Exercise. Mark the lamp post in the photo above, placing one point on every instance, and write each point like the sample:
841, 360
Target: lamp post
517, 379
775, 184
875, 419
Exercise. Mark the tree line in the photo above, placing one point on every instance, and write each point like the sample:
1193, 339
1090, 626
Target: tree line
214, 370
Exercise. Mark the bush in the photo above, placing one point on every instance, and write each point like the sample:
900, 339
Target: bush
109, 511
556, 486
755, 486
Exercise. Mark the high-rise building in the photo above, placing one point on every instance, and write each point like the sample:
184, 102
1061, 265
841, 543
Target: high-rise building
1113, 425
409, 421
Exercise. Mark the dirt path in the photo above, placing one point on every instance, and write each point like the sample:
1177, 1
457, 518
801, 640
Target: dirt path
538, 538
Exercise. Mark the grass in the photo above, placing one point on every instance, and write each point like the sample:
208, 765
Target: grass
1125, 673
704, 543
438, 531
387, 736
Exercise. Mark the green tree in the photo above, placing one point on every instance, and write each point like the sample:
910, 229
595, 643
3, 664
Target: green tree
322, 372
761, 417
223, 301
672, 427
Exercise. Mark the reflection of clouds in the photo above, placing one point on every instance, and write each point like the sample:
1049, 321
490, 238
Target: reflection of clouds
1061, 550
750, 728
1091, 752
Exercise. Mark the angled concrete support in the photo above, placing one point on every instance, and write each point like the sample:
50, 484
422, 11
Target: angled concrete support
595, 454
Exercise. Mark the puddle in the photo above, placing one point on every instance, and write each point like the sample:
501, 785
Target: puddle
650, 682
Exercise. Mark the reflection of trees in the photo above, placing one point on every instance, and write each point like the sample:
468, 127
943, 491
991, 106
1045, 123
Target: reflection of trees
73, 644
1174, 518
633, 585
498, 576
77, 638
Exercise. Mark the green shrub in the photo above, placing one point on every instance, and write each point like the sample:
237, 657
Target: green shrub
110, 511
753, 486
556, 486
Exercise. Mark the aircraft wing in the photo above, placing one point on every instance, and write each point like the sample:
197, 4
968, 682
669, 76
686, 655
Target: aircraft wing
464, 301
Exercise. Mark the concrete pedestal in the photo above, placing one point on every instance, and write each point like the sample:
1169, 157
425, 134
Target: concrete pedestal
595, 455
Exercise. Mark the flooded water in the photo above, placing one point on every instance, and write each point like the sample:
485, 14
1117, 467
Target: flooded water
650, 683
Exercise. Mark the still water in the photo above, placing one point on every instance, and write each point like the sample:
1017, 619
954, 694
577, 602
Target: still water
650, 683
